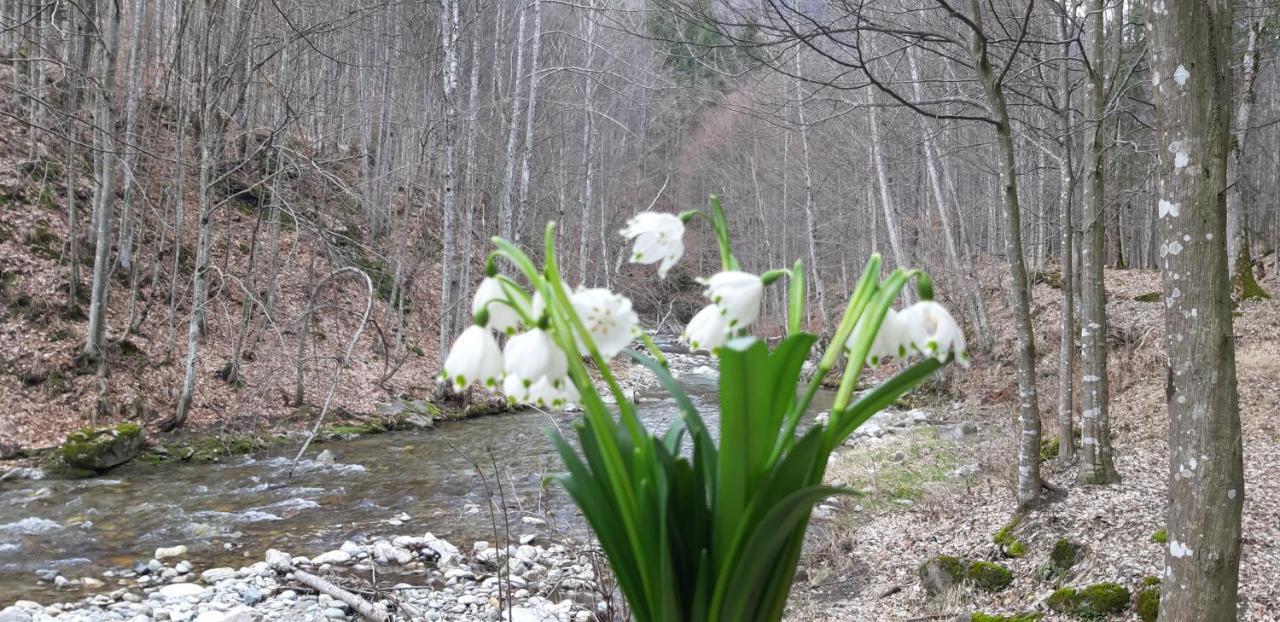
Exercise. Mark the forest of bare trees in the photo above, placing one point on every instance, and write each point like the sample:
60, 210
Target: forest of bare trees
996, 144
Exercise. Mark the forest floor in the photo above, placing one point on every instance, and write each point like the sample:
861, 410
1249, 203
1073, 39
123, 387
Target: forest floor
866, 566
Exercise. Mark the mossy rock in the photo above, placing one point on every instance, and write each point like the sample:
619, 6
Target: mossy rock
1147, 297
1243, 285
1064, 555
941, 574
1008, 543
1147, 602
1029, 616
989, 576
99, 449
1160, 536
1096, 601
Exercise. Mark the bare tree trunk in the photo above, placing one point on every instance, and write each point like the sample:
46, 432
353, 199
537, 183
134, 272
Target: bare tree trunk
811, 231
1190, 48
505, 215
588, 126
105, 195
1066, 176
449, 83
1239, 196
535, 52
1029, 482
1096, 466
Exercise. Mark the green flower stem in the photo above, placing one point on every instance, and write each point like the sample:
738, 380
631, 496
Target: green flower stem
727, 260
516, 299
862, 294
653, 349
625, 408
796, 293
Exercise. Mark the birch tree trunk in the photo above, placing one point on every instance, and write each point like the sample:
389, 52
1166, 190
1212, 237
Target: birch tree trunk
449, 84
535, 52
1029, 483
1190, 50
1096, 466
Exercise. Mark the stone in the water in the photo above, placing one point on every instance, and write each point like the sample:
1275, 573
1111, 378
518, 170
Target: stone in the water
171, 551
91, 583
102, 448
14, 614
181, 590
325, 457
532, 521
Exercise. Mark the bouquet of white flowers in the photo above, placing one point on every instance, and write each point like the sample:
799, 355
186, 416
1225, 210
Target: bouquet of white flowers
713, 533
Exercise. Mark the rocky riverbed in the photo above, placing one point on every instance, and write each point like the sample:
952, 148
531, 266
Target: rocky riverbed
529, 580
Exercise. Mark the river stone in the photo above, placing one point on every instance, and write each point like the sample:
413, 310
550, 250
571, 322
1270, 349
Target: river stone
332, 557
214, 575
14, 614
279, 561
181, 590
170, 551
102, 448
325, 457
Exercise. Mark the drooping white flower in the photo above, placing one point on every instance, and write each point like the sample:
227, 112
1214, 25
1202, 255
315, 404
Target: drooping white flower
608, 317
658, 236
708, 330
543, 392
737, 294
891, 339
490, 295
475, 357
516, 389
933, 331
534, 354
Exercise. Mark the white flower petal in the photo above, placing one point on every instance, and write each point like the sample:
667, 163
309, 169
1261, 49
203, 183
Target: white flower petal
708, 330
934, 332
608, 317
474, 357
891, 339
502, 317
534, 354
658, 237
738, 295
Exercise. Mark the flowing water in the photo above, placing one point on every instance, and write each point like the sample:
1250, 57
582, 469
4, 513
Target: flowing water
229, 513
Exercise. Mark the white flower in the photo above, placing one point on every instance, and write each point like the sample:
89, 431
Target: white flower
502, 316
931, 330
708, 330
544, 392
474, 357
737, 294
608, 318
891, 339
658, 236
534, 354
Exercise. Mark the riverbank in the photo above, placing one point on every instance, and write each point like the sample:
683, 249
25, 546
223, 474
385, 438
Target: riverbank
409, 577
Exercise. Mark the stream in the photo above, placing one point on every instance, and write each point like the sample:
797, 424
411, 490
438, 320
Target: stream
228, 513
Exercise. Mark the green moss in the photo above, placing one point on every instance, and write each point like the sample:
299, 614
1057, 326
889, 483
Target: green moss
1052, 278
941, 574
1093, 602
1147, 602
1243, 285
1005, 539
1160, 536
1029, 616
989, 576
98, 449
1064, 555
1049, 449
1148, 297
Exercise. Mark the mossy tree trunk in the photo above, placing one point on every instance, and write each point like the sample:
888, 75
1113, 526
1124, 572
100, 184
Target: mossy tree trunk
1189, 51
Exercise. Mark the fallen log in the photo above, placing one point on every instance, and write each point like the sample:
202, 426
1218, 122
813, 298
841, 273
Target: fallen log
283, 563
